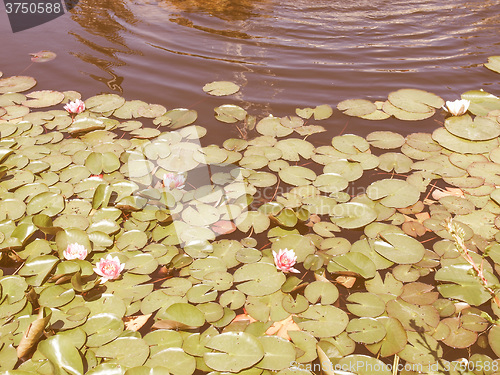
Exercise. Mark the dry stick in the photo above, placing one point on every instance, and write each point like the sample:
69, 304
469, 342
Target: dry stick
458, 235
345, 126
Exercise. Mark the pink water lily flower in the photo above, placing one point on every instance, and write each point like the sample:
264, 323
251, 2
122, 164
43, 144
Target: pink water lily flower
174, 181
458, 107
75, 251
285, 260
109, 268
78, 106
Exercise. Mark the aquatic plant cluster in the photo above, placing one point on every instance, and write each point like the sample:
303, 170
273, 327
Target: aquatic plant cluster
132, 249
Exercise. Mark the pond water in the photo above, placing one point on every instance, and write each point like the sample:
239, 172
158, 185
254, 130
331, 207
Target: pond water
285, 54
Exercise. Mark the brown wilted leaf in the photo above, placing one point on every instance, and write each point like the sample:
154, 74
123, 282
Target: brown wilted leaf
223, 227
282, 327
33, 333
438, 194
134, 323
346, 281
414, 228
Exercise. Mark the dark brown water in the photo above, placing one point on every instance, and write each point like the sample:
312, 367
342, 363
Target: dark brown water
285, 54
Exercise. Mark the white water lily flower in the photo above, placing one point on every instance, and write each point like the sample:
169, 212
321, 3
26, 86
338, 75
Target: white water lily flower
458, 107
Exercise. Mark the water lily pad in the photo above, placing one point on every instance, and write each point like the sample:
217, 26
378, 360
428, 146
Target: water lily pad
394, 341
271, 126
258, 279
365, 304
419, 294
278, 353
366, 330
462, 285
175, 360
118, 351
44, 98
481, 102
322, 112
177, 118
16, 84
62, 354
186, 314
356, 107
355, 262
230, 113
412, 317
330, 182
104, 103
459, 337
399, 248
385, 139
42, 56
414, 100
323, 321
352, 215
221, 88
233, 351
323, 292
421, 349
493, 338
493, 63
393, 193
479, 129
151, 110
350, 144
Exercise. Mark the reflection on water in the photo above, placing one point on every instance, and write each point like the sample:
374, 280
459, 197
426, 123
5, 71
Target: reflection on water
101, 19
223, 9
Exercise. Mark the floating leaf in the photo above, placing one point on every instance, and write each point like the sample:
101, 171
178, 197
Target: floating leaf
479, 129
233, 351
481, 102
493, 63
258, 279
393, 193
352, 215
323, 321
356, 107
414, 100
230, 113
44, 98
42, 56
366, 330
104, 103
221, 88
16, 84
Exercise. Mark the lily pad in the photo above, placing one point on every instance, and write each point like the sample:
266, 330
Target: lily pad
258, 279
233, 351
221, 88
323, 321
479, 129
104, 103
16, 84
356, 107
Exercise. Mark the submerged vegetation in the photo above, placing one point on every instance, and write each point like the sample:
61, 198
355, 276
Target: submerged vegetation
133, 249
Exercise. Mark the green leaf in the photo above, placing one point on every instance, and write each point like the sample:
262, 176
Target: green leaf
258, 279
221, 88
62, 354
233, 351
323, 321
119, 351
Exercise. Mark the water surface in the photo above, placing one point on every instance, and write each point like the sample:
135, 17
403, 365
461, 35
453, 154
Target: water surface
285, 54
